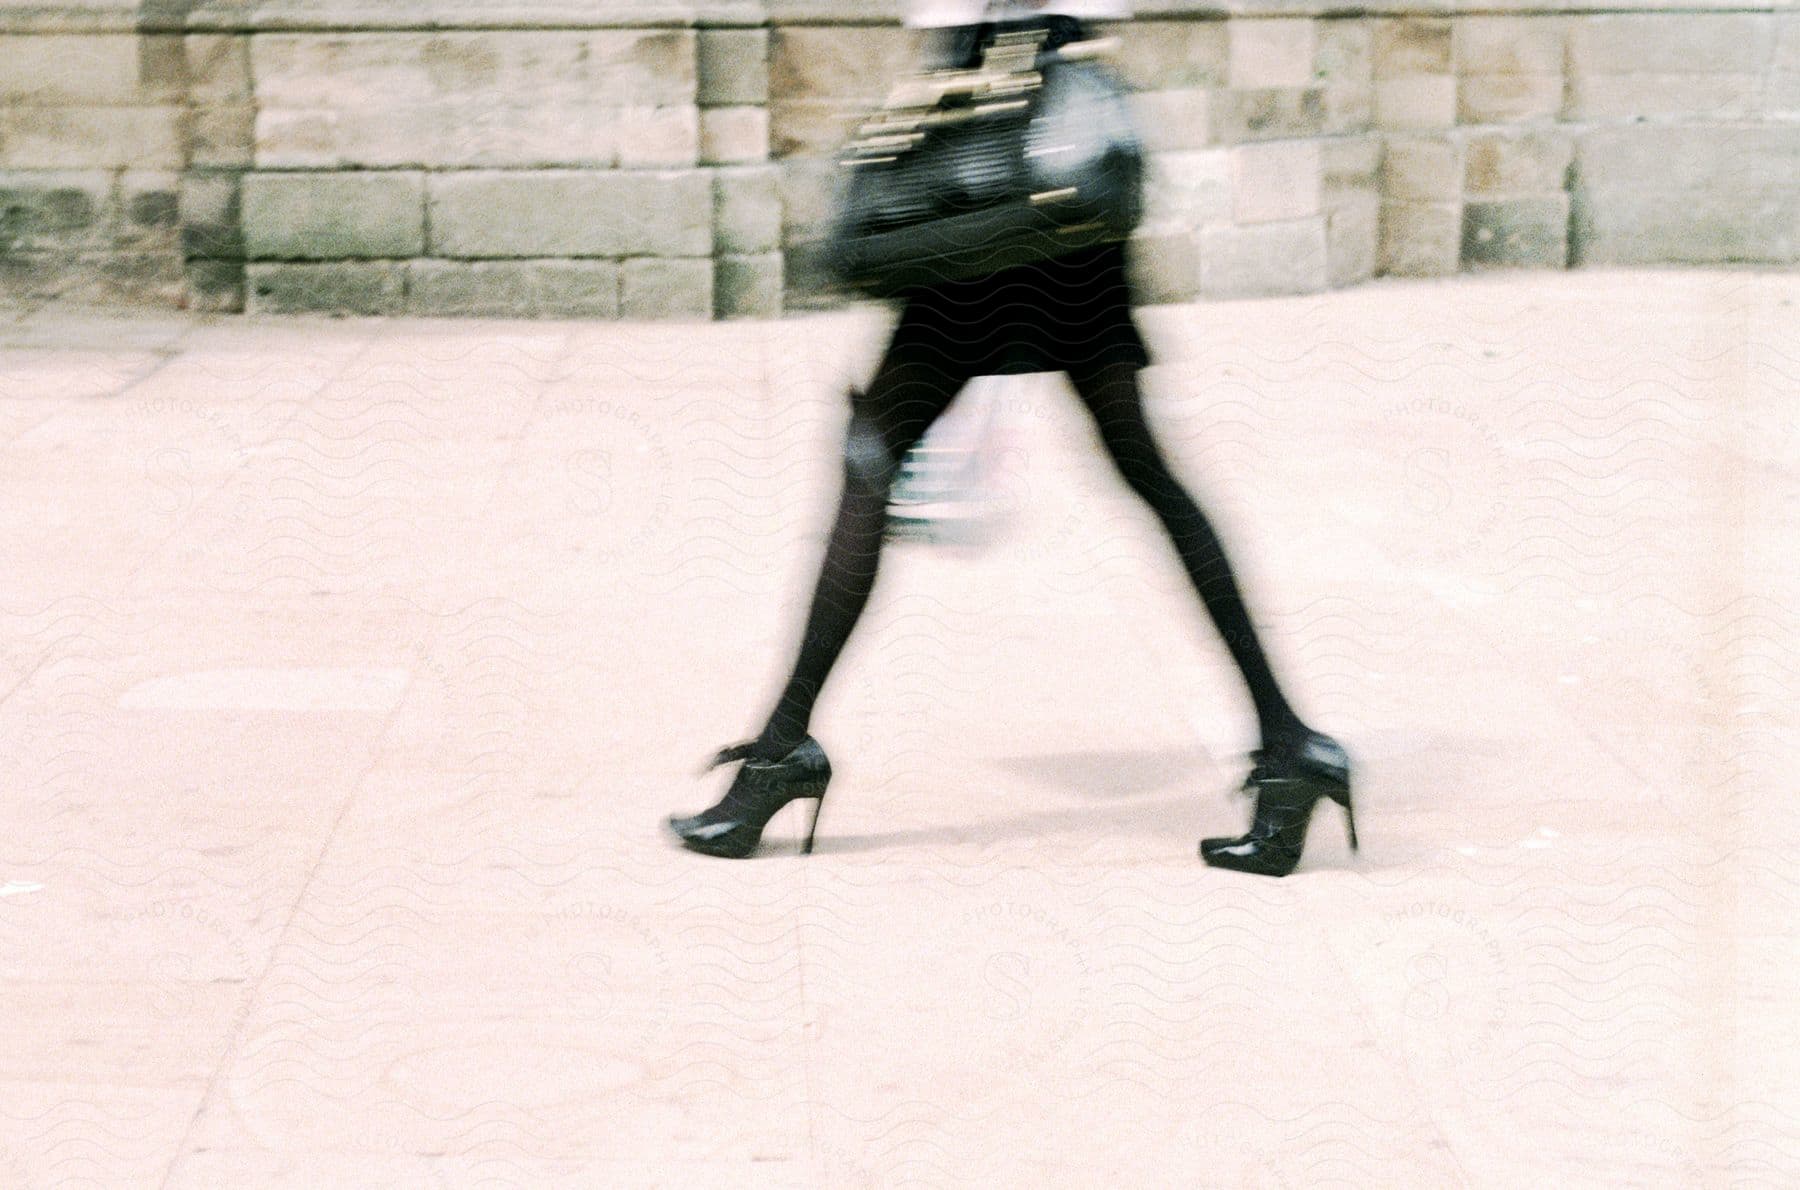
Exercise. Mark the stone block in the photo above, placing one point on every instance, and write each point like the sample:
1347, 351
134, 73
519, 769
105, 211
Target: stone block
734, 135
1353, 239
1352, 167
809, 195
338, 287
1271, 53
1781, 99
648, 66
321, 216
746, 211
59, 206
223, 136
811, 283
1410, 46
1509, 164
1787, 43
1517, 232
50, 276
577, 289
358, 71
69, 70
839, 62
26, 279
91, 137
1346, 53
1620, 97
118, 277
151, 200
1510, 45
1416, 102
214, 286
143, 216
1670, 43
810, 128
1241, 116
1422, 169
667, 289
217, 68
1508, 99
1264, 259
1277, 182
474, 133
1189, 189
1170, 55
1421, 239
1164, 263
372, 73
1638, 225
748, 286
733, 66
1701, 158
1173, 120
208, 208
1349, 108
162, 68
514, 288
659, 137
494, 214
485, 289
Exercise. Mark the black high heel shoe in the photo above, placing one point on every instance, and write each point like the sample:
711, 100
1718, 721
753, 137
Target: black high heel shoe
1287, 786
734, 827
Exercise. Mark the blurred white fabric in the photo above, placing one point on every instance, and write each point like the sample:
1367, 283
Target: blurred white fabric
950, 486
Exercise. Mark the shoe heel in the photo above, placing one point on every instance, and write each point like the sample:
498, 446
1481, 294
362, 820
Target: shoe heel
1349, 820
813, 829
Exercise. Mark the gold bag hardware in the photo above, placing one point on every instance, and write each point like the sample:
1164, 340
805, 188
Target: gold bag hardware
1007, 71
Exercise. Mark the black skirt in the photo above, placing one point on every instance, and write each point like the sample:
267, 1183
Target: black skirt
1070, 314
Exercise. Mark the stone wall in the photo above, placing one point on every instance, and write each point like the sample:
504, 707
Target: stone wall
594, 159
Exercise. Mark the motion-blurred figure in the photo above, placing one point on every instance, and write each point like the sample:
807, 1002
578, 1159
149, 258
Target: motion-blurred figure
1069, 313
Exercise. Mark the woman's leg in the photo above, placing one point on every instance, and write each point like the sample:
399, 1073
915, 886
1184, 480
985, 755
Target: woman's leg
905, 397
1113, 396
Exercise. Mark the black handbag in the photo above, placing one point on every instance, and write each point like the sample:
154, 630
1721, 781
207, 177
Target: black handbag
1030, 156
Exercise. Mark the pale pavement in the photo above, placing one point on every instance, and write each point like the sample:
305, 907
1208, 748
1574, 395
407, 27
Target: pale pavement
347, 670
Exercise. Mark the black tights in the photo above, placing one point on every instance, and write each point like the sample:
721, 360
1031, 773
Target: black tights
900, 404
